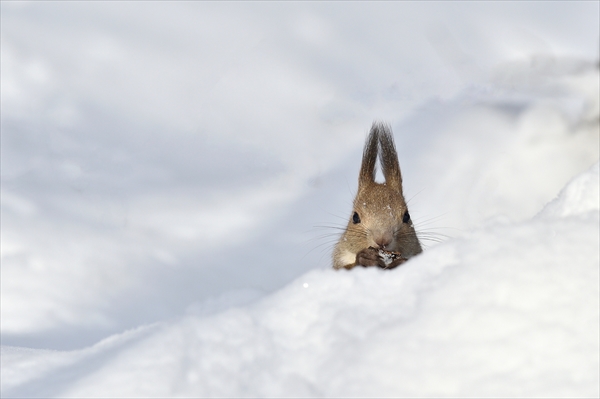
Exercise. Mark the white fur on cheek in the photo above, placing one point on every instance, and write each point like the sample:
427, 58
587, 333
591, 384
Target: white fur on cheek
348, 258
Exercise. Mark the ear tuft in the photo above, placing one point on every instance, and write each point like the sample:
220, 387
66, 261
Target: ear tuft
369, 159
388, 156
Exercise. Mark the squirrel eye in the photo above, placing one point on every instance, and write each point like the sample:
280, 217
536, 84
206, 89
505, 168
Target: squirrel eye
355, 218
406, 217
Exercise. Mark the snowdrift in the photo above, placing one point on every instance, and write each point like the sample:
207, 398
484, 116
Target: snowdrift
146, 147
508, 310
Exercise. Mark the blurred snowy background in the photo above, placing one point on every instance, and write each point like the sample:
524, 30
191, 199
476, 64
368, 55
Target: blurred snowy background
168, 159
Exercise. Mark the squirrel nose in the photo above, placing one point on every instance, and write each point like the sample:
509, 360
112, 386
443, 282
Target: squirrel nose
383, 241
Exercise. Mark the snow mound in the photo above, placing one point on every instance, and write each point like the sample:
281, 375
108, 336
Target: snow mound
509, 310
580, 196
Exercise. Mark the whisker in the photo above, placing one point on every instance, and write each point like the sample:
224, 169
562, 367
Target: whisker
432, 234
337, 216
330, 227
411, 198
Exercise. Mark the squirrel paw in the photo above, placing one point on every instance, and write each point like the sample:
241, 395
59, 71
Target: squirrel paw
368, 257
378, 257
393, 263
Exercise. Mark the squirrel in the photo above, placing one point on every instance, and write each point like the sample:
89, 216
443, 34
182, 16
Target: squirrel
380, 231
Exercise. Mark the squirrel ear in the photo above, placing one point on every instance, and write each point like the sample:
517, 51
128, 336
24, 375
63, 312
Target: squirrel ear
389, 157
367, 168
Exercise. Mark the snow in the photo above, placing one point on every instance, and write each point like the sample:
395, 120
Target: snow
164, 166
509, 310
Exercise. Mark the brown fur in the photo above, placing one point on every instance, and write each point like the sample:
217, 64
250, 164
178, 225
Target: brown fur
380, 208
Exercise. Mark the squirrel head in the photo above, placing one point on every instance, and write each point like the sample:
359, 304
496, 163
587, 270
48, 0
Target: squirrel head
380, 217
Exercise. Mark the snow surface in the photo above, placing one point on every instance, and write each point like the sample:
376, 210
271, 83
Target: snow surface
508, 310
164, 166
